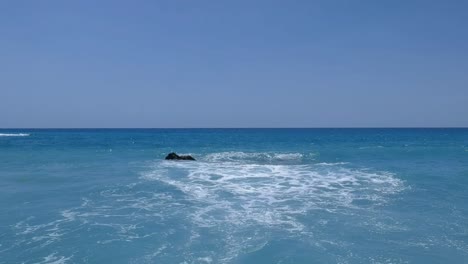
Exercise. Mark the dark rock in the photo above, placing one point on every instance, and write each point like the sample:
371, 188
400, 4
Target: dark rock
174, 156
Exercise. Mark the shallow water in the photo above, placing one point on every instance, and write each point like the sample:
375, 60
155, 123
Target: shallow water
252, 196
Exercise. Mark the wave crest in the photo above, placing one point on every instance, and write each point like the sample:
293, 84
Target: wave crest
233, 156
14, 135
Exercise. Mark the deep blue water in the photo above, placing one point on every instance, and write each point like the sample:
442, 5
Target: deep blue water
252, 196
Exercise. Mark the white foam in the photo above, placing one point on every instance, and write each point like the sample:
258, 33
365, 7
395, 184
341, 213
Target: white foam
205, 260
54, 259
14, 135
288, 156
269, 195
251, 156
371, 147
331, 163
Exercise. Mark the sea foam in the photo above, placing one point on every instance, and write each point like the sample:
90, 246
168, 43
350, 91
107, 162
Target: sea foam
14, 135
269, 194
233, 197
251, 157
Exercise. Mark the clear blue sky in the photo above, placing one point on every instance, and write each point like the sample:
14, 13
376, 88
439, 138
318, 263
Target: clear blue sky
233, 63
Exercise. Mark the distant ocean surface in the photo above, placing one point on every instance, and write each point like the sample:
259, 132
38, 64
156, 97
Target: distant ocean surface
252, 196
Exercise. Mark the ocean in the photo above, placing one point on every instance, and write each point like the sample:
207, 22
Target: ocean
252, 196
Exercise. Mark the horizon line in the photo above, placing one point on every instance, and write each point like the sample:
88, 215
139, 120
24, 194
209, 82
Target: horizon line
358, 127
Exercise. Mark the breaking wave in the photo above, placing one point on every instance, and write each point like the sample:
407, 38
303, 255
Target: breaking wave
14, 135
252, 157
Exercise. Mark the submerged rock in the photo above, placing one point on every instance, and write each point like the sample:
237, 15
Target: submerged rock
174, 156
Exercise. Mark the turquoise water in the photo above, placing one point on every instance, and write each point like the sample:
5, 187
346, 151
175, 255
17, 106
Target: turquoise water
252, 196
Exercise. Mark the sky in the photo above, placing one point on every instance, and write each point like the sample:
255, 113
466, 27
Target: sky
255, 63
